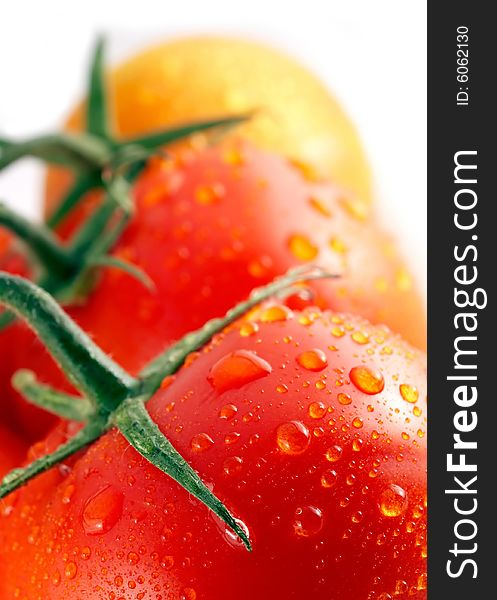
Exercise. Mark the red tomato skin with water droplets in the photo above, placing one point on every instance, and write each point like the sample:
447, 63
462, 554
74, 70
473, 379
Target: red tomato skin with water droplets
207, 230
334, 503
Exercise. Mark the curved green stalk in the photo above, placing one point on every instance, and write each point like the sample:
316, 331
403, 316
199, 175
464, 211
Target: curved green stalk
134, 422
97, 107
88, 368
44, 396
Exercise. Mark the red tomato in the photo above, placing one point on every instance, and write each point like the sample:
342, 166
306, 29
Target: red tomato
209, 227
13, 261
309, 426
12, 451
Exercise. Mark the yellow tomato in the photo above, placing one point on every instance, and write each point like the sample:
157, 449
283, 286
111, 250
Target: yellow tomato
201, 77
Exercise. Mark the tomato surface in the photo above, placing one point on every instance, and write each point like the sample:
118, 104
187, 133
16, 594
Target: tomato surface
209, 226
309, 426
12, 450
196, 78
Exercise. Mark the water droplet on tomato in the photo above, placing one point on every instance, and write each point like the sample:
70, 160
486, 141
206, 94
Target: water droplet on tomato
333, 453
319, 206
232, 465
228, 411
328, 478
409, 393
167, 562
293, 438
248, 329
282, 388
344, 399
276, 313
357, 423
188, 594
209, 194
313, 360
393, 501
71, 570
102, 511
302, 248
237, 369
367, 379
338, 246
317, 410
360, 337
308, 521
133, 558
201, 442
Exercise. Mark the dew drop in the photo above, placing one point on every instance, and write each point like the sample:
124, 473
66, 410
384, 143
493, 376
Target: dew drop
344, 399
367, 380
302, 248
393, 501
201, 442
317, 410
360, 337
248, 329
333, 453
102, 511
237, 369
188, 594
209, 194
282, 388
71, 570
319, 206
293, 438
133, 558
313, 360
232, 465
409, 393
228, 411
308, 521
328, 478
276, 313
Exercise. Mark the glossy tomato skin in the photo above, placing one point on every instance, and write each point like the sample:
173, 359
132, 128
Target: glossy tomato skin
212, 224
12, 450
198, 78
311, 429
12, 260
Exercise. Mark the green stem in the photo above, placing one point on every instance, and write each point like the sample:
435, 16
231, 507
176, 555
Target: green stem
40, 240
97, 118
82, 185
134, 422
169, 361
167, 136
63, 405
19, 477
96, 375
80, 152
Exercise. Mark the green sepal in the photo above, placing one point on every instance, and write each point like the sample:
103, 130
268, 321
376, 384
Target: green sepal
128, 268
69, 407
89, 369
134, 422
81, 186
97, 113
80, 152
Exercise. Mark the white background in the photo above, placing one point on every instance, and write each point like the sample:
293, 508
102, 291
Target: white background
372, 55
